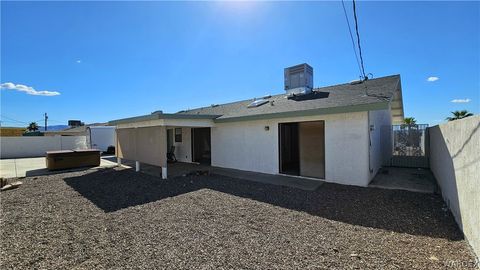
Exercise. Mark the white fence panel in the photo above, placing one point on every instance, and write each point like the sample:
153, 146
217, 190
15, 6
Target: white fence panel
36, 146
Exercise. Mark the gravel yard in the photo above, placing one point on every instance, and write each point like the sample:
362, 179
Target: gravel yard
116, 218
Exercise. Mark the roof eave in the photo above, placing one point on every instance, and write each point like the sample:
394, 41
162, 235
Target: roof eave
397, 104
321, 111
160, 116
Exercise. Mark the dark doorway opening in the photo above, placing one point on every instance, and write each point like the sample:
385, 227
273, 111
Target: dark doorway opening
201, 145
289, 150
302, 148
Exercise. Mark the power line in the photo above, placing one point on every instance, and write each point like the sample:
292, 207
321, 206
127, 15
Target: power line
14, 120
351, 38
358, 40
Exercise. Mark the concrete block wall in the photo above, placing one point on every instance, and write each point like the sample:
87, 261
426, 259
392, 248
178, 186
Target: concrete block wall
32, 146
455, 162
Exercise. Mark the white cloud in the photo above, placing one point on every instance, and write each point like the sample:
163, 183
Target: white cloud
460, 100
27, 89
79, 61
432, 79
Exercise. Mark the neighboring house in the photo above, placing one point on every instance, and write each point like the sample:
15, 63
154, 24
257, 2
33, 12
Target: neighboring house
98, 135
70, 131
333, 133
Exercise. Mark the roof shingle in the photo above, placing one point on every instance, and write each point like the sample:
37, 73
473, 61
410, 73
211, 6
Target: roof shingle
379, 90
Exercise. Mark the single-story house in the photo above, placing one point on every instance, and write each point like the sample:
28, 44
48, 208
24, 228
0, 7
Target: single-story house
339, 133
70, 131
73, 130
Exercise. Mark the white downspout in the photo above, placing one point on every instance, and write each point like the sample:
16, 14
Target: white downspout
370, 170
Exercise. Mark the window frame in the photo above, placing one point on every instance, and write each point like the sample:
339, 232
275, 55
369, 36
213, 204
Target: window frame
178, 134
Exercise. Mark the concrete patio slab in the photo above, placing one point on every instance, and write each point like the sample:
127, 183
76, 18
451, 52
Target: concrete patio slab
8, 168
410, 179
180, 169
22, 167
274, 179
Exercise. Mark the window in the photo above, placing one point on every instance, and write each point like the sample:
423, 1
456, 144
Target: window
178, 135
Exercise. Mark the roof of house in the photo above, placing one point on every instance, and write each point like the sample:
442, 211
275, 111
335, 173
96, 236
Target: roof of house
373, 94
369, 95
75, 130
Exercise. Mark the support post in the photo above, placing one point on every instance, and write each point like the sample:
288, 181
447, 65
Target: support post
163, 151
164, 172
119, 161
137, 166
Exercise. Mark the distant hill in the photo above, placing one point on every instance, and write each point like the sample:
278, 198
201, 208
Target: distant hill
53, 128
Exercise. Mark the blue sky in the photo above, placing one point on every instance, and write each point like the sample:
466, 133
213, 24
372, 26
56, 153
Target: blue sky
110, 60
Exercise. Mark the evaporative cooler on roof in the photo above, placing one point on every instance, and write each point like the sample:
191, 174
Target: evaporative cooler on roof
298, 79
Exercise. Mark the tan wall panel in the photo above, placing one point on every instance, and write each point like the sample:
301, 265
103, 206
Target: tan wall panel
152, 145
147, 145
312, 149
126, 143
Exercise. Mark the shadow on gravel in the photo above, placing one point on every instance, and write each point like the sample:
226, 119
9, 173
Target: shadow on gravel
391, 210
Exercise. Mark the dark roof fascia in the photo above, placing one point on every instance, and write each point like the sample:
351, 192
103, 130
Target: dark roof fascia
321, 111
160, 116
